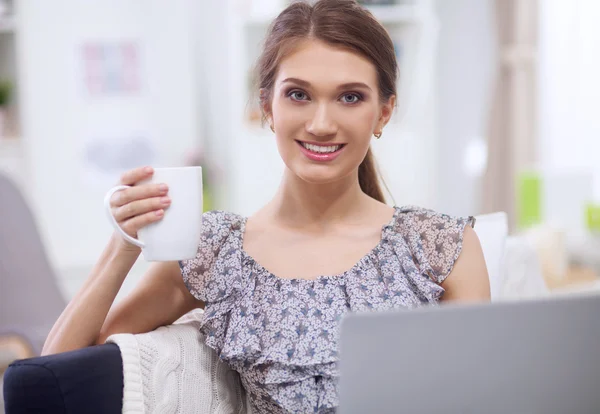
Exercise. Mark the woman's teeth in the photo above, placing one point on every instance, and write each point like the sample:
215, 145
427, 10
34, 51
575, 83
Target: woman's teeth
321, 149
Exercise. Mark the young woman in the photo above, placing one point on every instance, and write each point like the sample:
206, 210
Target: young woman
274, 286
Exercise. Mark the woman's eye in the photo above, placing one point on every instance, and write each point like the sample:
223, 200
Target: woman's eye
297, 95
351, 98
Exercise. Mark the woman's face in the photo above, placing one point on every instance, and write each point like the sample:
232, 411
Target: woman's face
325, 108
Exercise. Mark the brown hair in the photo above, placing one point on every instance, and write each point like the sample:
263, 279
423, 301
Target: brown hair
342, 23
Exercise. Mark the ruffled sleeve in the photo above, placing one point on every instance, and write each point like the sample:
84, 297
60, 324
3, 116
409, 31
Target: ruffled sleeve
205, 275
434, 239
215, 275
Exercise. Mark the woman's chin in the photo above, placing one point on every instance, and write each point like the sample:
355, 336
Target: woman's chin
319, 174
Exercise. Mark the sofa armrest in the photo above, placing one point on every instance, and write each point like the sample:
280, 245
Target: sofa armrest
86, 380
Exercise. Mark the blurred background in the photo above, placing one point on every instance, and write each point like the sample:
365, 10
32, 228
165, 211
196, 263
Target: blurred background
497, 112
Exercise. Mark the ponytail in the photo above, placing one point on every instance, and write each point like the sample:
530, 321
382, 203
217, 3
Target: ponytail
368, 178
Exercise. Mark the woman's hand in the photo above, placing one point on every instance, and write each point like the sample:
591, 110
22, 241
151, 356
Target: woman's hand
140, 205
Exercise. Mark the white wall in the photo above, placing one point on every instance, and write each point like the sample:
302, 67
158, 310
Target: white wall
216, 89
58, 117
569, 87
465, 75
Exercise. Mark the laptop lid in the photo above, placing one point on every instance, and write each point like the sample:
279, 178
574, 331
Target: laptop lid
537, 356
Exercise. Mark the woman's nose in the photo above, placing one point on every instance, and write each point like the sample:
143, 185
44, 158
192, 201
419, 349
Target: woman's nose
322, 122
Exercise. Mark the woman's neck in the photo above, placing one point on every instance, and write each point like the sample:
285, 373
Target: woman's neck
300, 204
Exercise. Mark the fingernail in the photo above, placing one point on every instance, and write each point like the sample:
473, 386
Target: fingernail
163, 187
158, 212
165, 200
148, 170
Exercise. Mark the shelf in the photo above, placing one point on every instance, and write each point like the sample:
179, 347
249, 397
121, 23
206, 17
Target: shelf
7, 24
386, 14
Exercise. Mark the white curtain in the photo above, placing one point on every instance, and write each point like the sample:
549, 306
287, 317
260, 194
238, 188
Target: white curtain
512, 126
569, 94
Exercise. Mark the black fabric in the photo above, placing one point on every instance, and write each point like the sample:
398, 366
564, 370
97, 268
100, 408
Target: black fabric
88, 380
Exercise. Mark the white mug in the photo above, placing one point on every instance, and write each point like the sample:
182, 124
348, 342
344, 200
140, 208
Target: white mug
177, 235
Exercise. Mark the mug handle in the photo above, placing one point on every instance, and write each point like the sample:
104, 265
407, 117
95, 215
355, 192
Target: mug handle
112, 219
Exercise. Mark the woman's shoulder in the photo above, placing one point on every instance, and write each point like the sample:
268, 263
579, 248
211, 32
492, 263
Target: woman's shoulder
411, 219
435, 239
221, 219
217, 226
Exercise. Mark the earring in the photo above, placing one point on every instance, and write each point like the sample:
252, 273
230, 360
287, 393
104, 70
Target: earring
378, 135
272, 128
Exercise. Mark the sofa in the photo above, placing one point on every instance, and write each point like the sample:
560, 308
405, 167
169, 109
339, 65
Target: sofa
168, 370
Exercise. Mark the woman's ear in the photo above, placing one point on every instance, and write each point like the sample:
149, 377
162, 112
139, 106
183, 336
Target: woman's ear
387, 110
265, 104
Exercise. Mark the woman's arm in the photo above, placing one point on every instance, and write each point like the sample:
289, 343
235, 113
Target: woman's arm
160, 298
469, 280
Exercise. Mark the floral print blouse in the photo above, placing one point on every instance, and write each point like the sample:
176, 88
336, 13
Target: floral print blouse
281, 335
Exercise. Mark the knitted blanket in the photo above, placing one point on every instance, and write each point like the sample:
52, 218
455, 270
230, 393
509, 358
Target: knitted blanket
171, 370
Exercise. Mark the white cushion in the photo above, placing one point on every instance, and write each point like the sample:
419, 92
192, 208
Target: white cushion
492, 230
522, 271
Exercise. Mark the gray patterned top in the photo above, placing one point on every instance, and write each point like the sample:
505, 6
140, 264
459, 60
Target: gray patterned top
281, 334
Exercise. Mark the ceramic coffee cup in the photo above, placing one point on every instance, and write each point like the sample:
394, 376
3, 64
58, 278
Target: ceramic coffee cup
177, 235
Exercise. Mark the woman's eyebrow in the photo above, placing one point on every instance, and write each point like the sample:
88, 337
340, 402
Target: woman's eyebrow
354, 85
342, 86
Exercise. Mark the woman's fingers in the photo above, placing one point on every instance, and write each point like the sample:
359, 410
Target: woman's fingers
139, 207
123, 197
134, 224
136, 175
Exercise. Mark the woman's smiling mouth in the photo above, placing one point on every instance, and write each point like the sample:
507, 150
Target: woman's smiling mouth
319, 151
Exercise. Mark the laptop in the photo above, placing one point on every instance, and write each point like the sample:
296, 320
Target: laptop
529, 357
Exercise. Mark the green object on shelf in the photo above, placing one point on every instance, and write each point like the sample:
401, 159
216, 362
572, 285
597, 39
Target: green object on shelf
592, 213
529, 199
